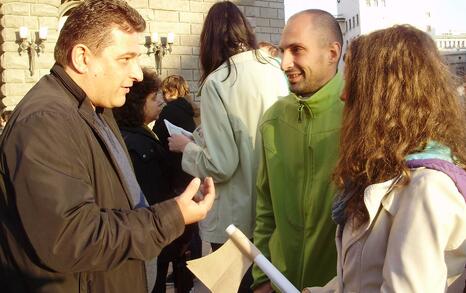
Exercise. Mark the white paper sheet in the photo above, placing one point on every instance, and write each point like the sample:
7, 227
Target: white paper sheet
173, 129
222, 271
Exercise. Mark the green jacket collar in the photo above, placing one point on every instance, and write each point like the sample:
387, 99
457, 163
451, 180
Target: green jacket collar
325, 97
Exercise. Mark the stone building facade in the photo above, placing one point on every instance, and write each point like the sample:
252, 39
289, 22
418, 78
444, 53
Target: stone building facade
451, 42
19, 72
456, 61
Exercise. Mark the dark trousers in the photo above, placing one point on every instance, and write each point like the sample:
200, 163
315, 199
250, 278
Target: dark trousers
246, 282
196, 246
182, 277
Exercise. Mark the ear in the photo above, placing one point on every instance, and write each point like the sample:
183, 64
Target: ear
80, 57
334, 53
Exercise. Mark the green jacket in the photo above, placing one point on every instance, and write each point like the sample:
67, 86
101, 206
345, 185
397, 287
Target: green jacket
295, 191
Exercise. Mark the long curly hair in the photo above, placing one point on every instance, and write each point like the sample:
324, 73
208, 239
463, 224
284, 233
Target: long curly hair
399, 95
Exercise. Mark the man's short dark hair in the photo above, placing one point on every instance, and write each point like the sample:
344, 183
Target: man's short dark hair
90, 24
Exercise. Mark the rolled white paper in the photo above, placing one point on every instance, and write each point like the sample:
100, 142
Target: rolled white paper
274, 275
251, 251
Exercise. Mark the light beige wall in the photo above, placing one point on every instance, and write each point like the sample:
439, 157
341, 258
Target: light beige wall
16, 79
183, 17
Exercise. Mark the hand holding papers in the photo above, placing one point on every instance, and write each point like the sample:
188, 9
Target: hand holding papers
173, 129
178, 138
223, 270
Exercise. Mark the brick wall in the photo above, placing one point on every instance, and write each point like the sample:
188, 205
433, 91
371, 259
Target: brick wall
183, 17
16, 78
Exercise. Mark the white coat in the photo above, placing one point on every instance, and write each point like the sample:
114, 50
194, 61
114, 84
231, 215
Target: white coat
413, 242
231, 108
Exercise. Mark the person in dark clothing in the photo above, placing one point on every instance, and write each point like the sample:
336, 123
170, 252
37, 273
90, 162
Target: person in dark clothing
4, 117
72, 215
154, 171
179, 111
147, 154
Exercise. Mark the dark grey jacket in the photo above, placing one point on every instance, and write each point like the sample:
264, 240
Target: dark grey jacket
66, 218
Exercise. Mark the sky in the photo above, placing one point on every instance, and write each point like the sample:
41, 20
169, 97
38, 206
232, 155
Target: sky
447, 15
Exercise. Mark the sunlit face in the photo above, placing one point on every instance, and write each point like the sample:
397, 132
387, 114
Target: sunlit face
153, 107
305, 56
112, 72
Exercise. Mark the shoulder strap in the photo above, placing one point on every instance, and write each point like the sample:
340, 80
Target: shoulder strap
456, 174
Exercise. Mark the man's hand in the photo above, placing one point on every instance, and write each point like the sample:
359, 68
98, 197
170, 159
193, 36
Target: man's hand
177, 142
194, 211
264, 288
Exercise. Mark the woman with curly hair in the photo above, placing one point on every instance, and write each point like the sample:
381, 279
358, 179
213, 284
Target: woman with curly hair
402, 211
154, 172
142, 106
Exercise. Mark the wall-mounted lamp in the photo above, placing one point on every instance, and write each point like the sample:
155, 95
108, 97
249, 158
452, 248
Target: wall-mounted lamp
28, 45
160, 47
40, 46
24, 45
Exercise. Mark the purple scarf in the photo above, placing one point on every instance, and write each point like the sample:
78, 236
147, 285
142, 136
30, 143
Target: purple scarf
456, 174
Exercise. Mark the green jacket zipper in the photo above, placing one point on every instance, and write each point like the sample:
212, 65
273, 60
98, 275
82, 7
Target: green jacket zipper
300, 111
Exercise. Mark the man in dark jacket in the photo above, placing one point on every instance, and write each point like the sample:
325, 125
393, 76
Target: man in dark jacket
72, 216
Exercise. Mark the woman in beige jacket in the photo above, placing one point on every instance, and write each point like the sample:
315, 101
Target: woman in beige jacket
239, 83
402, 226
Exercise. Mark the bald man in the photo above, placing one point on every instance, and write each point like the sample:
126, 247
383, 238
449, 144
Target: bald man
300, 136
